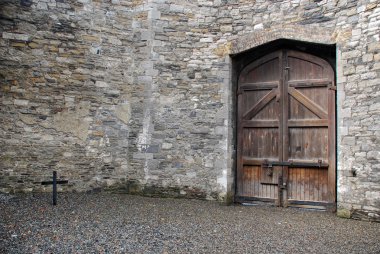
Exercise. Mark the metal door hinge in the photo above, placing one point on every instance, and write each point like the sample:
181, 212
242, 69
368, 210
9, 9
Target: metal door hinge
332, 87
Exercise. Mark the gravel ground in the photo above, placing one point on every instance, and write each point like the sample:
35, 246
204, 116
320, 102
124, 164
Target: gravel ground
116, 223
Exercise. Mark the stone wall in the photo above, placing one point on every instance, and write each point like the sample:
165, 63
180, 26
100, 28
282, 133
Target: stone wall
137, 95
67, 88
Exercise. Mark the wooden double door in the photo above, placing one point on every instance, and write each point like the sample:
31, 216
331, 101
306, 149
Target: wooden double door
286, 131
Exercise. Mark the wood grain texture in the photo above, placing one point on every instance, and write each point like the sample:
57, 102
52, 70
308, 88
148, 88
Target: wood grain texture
286, 112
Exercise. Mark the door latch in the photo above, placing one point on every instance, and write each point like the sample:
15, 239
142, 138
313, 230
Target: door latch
268, 168
281, 183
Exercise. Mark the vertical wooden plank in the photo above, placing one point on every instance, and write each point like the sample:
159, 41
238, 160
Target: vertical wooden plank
294, 183
257, 183
294, 190
291, 184
246, 178
319, 185
301, 183
251, 181
325, 185
254, 181
307, 184
299, 188
312, 184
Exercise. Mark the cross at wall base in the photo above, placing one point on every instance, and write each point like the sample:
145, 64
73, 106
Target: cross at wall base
54, 183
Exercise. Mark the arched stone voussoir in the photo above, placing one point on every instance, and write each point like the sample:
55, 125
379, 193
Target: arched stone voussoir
313, 34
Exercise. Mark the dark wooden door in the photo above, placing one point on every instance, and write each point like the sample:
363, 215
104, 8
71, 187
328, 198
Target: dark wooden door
286, 131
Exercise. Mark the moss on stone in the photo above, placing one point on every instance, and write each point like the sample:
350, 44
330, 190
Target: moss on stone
343, 213
229, 198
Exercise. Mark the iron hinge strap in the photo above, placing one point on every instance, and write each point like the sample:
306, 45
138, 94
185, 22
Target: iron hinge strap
290, 163
332, 87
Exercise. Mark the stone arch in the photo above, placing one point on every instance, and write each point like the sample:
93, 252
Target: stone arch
311, 34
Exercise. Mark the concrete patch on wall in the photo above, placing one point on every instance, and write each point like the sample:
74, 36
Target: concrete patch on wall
123, 112
73, 121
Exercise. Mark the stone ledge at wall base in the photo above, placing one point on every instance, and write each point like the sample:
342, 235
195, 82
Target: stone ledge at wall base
37, 187
364, 215
134, 187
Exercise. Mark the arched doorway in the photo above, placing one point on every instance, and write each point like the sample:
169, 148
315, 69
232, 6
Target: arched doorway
286, 152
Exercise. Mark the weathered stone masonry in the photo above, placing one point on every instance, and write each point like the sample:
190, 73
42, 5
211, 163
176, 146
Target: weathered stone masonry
137, 95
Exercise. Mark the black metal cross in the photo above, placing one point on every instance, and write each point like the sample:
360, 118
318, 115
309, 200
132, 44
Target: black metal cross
54, 183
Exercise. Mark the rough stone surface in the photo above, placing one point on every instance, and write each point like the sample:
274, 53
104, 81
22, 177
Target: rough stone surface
113, 92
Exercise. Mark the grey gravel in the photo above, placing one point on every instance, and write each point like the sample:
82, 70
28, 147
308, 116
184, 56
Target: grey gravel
117, 223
